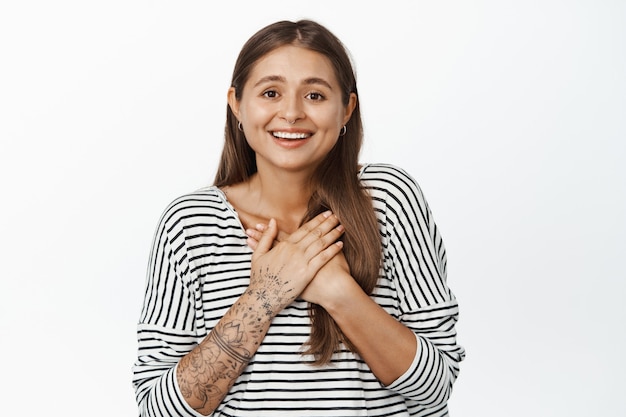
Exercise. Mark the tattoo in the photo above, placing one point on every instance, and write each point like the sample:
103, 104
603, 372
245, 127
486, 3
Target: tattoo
197, 374
230, 340
275, 293
207, 373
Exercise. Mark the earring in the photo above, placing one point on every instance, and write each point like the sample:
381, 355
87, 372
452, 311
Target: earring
343, 130
239, 126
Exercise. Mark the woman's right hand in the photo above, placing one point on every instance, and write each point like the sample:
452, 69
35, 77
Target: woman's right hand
282, 270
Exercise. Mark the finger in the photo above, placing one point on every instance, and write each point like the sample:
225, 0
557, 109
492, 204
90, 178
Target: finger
260, 227
319, 232
318, 245
253, 237
252, 243
322, 258
267, 238
312, 224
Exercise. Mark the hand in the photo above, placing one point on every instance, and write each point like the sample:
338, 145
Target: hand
254, 235
326, 283
281, 270
329, 282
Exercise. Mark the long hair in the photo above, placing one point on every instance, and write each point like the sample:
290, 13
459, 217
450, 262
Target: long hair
335, 180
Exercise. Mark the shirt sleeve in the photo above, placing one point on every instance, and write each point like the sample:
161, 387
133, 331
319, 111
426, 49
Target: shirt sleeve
165, 332
415, 257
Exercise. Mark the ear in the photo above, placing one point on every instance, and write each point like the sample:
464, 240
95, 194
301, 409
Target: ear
350, 107
233, 103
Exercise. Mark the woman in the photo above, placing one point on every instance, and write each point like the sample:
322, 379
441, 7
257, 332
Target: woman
300, 283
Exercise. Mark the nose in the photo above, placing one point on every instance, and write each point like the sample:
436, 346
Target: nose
291, 109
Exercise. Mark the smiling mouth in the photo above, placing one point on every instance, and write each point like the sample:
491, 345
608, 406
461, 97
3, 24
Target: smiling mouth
290, 135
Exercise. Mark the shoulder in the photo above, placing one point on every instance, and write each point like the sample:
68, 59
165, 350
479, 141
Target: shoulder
203, 203
391, 180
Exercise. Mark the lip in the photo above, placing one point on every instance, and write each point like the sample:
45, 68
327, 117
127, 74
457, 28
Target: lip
290, 138
291, 131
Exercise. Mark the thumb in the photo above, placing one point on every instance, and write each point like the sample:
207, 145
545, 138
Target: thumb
267, 238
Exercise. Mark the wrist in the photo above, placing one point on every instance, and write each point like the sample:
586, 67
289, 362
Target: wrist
255, 302
342, 296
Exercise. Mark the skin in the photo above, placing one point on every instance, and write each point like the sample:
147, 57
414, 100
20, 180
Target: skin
291, 91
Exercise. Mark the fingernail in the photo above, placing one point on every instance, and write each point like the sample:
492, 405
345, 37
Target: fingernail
327, 213
341, 228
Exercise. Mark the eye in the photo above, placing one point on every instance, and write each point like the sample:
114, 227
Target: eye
316, 96
270, 94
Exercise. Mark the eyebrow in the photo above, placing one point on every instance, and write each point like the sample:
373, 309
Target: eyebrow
279, 78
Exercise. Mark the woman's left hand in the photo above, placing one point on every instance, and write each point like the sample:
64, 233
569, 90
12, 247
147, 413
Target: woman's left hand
329, 284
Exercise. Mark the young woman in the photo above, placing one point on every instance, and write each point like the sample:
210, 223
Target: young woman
301, 283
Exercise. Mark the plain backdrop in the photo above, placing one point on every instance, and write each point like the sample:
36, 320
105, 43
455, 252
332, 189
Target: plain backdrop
510, 114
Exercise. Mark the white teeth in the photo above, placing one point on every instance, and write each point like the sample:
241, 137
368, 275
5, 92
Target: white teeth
289, 135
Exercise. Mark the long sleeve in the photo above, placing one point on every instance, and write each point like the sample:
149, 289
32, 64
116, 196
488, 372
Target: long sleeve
166, 328
415, 262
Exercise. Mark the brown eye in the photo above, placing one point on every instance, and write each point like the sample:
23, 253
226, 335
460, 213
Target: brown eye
270, 94
315, 96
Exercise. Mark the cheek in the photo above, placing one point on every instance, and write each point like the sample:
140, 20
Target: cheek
330, 118
253, 113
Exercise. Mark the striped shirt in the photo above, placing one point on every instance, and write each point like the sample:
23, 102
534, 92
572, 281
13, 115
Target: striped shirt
200, 265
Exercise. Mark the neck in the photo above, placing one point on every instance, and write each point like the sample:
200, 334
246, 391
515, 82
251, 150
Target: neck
283, 196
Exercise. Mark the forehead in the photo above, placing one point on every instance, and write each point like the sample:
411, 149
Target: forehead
294, 64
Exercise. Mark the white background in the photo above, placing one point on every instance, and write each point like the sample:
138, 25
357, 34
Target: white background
510, 114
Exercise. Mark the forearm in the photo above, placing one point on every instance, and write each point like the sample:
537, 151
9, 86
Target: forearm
206, 374
385, 344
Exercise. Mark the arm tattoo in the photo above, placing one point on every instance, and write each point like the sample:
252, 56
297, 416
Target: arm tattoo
231, 339
275, 292
207, 373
